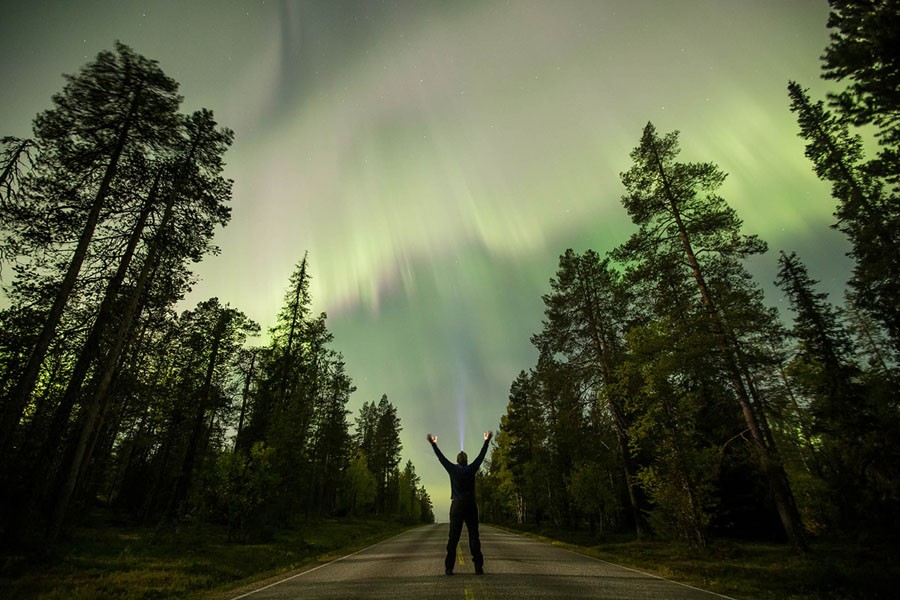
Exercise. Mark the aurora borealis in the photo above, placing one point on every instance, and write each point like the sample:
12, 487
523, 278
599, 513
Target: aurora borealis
435, 158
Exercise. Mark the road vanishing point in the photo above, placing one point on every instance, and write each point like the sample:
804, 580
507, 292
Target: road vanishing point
411, 566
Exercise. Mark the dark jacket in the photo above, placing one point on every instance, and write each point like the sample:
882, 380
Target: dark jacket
462, 477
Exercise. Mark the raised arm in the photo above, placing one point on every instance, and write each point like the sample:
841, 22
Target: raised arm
480, 458
433, 441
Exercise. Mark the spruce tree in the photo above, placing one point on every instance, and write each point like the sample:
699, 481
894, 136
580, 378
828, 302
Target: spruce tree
865, 36
823, 339
850, 415
865, 214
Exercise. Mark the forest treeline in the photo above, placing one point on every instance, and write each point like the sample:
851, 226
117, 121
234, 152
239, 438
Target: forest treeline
109, 395
669, 399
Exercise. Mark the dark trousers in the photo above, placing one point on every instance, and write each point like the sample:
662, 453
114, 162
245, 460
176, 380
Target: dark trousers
463, 511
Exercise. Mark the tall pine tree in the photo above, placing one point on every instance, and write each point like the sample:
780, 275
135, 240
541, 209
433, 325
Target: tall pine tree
686, 227
120, 103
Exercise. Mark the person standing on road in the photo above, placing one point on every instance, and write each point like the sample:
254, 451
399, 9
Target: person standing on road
462, 503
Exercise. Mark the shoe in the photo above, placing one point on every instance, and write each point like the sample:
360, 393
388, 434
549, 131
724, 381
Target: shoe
479, 571
448, 571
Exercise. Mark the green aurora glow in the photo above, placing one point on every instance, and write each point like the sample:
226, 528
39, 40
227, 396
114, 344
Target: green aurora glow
435, 158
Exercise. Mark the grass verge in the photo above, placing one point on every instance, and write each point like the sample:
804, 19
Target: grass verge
744, 570
104, 560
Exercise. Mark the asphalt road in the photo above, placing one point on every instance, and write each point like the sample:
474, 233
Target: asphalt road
410, 565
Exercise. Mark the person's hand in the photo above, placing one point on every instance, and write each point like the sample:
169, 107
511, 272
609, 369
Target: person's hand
431, 438
488, 435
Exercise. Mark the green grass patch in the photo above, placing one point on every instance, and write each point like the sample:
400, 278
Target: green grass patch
108, 560
830, 571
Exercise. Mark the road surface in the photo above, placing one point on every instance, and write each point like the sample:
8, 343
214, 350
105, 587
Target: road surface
411, 565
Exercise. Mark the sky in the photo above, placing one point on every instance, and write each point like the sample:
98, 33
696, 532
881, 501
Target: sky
435, 159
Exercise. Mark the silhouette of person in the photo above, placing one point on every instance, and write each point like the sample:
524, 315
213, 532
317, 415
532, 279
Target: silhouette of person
462, 503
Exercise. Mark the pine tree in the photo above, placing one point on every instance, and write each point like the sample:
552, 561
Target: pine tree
523, 451
358, 490
426, 508
563, 399
330, 446
197, 190
385, 455
685, 227
366, 422
120, 103
674, 423
584, 321
216, 333
377, 439
408, 488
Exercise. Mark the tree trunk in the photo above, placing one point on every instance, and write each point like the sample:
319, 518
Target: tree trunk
183, 481
244, 396
91, 348
607, 369
108, 367
622, 443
